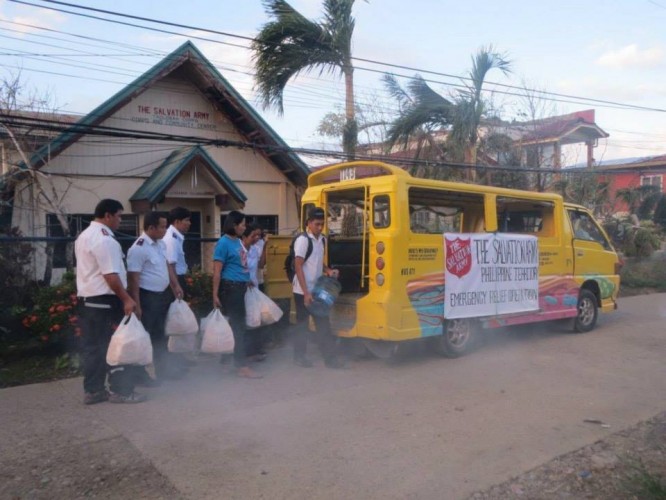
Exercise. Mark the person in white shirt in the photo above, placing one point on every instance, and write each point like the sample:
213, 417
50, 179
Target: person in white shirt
101, 282
153, 285
180, 222
308, 269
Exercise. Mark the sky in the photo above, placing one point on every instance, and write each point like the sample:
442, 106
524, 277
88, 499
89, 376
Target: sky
610, 51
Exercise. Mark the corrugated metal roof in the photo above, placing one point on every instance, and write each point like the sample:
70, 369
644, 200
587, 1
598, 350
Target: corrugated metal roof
166, 174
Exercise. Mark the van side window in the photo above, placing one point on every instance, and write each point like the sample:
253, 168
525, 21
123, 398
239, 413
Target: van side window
436, 211
585, 228
525, 216
381, 211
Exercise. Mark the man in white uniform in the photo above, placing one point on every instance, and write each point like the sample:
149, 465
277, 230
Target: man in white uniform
179, 220
308, 268
101, 282
151, 282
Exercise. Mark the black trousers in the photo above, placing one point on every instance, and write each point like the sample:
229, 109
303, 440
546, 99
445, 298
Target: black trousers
324, 334
99, 318
232, 298
154, 308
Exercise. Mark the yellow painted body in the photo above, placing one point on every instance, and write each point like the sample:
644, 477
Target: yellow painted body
414, 262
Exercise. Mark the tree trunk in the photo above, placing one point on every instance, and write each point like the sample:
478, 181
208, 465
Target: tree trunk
350, 133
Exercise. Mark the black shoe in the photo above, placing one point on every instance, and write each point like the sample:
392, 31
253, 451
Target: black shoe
303, 361
132, 398
92, 398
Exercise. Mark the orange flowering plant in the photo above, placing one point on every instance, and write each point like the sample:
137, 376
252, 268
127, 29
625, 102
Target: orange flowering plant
53, 319
199, 291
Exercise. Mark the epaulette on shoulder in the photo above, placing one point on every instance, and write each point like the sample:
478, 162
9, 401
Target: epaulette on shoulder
139, 242
174, 235
105, 232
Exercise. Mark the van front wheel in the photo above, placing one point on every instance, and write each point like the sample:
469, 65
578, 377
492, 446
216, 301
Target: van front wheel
587, 312
457, 338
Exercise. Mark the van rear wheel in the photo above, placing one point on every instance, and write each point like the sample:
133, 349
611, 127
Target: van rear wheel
457, 339
587, 312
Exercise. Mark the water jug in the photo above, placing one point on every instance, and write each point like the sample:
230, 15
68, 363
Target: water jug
324, 293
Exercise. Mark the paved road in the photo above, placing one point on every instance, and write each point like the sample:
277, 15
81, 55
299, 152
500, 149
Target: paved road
425, 427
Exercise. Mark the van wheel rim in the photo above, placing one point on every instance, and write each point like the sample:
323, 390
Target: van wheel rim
458, 332
585, 311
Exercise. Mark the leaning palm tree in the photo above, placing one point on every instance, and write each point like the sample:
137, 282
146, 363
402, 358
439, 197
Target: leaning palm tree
424, 110
470, 106
290, 44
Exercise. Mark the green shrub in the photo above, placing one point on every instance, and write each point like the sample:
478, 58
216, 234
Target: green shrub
644, 273
52, 319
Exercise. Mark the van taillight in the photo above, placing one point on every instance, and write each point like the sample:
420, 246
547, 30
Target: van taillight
618, 266
380, 263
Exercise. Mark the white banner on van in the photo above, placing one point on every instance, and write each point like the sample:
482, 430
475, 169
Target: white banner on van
489, 274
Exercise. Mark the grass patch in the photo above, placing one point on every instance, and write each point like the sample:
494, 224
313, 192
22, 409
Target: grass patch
28, 364
644, 484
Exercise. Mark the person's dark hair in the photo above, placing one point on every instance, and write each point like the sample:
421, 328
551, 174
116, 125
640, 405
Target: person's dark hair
250, 228
178, 213
107, 206
152, 219
232, 219
316, 213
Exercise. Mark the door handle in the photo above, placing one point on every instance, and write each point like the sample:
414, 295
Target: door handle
580, 254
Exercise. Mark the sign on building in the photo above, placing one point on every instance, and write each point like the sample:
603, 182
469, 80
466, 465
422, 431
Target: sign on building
490, 274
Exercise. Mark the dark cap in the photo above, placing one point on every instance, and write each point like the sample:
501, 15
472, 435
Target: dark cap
316, 213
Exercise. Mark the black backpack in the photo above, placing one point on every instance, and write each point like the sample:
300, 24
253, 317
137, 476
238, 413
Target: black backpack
290, 259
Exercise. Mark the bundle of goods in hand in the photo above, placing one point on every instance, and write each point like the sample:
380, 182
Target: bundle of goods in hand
260, 310
130, 344
218, 338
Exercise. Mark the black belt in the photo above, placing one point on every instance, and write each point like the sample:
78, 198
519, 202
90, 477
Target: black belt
143, 290
106, 301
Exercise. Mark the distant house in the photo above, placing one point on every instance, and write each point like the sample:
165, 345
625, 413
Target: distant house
632, 173
536, 143
241, 164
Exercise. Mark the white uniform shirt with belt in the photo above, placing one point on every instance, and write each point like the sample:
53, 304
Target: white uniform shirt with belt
148, 258
313, 267
97, 253
174, 250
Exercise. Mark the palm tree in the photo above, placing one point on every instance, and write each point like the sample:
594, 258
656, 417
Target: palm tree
470, 106
423, 111
290, 44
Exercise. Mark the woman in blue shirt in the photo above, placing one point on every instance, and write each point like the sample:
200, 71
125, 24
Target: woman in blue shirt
231, 278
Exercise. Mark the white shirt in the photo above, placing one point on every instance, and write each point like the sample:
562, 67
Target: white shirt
148, 258
253, 258
174, 249
97, 253
313, 267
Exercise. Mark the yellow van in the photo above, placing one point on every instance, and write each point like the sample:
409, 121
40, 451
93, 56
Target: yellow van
385, 234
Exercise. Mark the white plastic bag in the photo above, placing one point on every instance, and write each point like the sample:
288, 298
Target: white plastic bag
218, 337
180, 319
260, 310
252, 308
182, 343
270, 311
130, 344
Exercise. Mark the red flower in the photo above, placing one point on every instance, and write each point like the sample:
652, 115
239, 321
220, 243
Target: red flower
45, 338
52, 309
56, 328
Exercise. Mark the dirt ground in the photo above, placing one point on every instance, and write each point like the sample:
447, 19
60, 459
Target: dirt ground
630, 464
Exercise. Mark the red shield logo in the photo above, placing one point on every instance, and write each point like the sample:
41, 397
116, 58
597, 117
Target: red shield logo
458, 256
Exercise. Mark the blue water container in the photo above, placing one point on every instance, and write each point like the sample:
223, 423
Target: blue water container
324, 294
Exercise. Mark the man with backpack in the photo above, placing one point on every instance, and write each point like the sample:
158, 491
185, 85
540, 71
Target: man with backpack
308, 265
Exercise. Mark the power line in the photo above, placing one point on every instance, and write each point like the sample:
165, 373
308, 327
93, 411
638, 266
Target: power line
54, 125
561, 97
